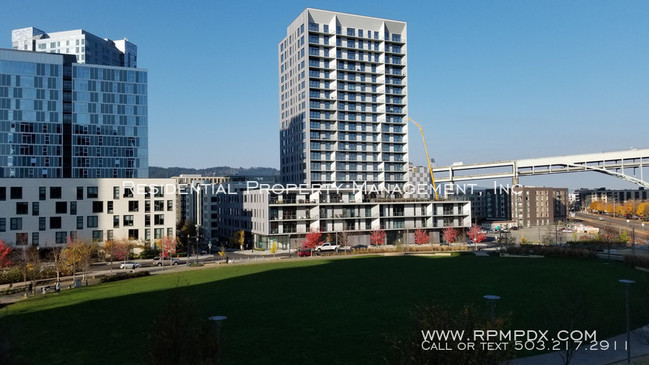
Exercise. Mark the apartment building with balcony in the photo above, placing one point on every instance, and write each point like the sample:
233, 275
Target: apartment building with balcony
343, 100
287, 216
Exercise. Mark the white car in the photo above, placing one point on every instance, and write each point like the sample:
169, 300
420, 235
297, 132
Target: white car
129, 265
327, 246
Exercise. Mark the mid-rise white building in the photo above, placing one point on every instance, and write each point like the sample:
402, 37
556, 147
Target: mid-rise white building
287, 215
45, 212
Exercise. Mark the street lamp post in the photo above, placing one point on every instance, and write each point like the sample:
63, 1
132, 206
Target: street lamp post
491, 299
627, 283
218, 320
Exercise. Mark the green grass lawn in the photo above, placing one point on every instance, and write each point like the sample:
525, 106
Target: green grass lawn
317, 310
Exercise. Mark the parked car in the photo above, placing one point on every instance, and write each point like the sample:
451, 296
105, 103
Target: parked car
304, 252
165, 261
327, 246
129, 265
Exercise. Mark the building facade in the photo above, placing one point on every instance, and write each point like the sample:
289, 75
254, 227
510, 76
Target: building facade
343, 100
585, 196
86, 47
45, 212
287, 216
537, 206
60, 118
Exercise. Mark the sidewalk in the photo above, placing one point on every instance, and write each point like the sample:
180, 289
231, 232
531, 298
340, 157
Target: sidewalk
591, 354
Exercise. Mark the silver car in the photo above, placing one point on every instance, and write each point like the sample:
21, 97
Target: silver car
129, 265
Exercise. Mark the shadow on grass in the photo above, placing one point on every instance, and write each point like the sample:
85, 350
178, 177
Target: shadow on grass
315, 311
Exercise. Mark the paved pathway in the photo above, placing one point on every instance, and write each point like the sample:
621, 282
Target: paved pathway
595, 355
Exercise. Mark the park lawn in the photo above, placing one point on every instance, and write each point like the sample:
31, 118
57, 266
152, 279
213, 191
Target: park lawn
318, 310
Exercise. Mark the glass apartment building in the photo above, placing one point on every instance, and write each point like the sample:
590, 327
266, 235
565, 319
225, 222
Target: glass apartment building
343, 100
63, 116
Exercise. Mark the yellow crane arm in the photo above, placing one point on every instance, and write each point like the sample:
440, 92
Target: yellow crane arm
427, 157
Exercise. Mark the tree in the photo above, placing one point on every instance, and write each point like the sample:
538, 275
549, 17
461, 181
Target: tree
643, 210
5, 254
628, 208
377, 237
476, 235
241, 238
421, 237
117, 250
77, 254
343, 239
312, 239
185, 229
167, 247
450, 234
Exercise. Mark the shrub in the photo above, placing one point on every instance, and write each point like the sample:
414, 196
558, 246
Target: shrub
637, 260
124, 276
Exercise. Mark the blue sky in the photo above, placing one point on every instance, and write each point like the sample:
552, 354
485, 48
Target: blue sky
488, 80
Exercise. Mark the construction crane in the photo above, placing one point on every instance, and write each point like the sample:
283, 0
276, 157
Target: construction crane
427, 157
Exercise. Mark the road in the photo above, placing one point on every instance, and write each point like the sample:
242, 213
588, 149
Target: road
616, 225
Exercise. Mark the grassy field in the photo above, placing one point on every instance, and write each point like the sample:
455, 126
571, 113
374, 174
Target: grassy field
317, 310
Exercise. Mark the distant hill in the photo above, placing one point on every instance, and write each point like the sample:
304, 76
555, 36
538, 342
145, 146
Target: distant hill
166, 172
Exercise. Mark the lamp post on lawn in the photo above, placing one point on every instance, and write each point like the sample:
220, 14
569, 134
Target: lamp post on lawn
218, 320
491, 299
627, 283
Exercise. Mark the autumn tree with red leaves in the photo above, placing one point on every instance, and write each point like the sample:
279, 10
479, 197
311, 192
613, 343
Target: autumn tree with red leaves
5, 254
421, 237
377, 237
450, 234
312, 239
117, 250
476, 234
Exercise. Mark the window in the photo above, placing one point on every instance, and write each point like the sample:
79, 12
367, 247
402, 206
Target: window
35, 208
147, 234
147, 220
159, 219
170, 205
55, 192
157, 233
22, 208
80, 222
79, 192
133, 234
93, 192
41, 193
16, 192
61, 237
55, 222
115, 192
21, 238
109, 207
115, 221
147, 206
158, 191
3, 193
159, 205
128, 221
97, 236
61, 207
109, 234
128, 192
98, 207
73, 208
42, 223
16, 224
133, 206
35, 238
92, 221
3, 224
